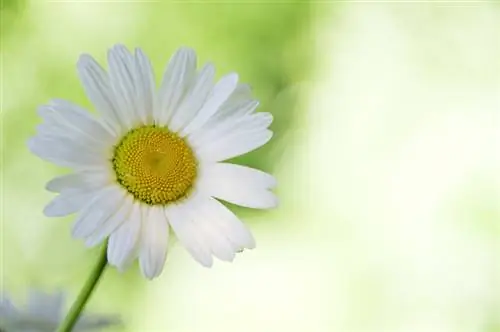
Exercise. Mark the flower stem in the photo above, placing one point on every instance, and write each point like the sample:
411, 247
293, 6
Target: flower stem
76, 309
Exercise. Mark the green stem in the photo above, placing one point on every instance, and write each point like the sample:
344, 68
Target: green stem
82, 299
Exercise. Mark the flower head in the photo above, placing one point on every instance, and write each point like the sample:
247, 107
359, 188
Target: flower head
154, 159
43, 313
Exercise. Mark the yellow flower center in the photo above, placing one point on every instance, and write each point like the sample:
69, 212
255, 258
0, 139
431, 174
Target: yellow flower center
155, 165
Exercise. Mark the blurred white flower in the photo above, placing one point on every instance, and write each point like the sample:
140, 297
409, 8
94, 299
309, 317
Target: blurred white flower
155, 159
43, 313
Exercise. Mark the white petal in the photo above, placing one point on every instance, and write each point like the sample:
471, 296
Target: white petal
121, 74
242, 92
251, 197
178, 76
52, 129
75, 120
239, 185
68, 202
145, 86
111, 224
67, 137
7, 308
234, 145
234, 230
236, 176
239, 103
47, 306
220, 94
233, 114
194, 99
84, 180
75, 145
96, 84
70, 136
188, 234
213, 235
66, 153
252, 123
153, 242
232, 126
103, 205
67, 181
122, 242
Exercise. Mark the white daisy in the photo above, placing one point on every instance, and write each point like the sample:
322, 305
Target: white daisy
155, 159
43, 313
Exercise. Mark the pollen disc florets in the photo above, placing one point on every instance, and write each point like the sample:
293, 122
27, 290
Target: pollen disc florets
132, 185
155, 165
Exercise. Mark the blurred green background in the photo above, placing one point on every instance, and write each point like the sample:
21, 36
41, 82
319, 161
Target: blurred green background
387, 153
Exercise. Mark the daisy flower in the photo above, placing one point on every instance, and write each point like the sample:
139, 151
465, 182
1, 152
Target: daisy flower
154, 159
43, 313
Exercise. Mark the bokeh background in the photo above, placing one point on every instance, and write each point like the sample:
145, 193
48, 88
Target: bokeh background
387, 152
